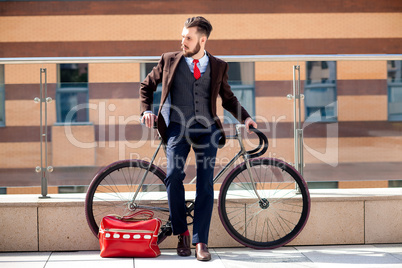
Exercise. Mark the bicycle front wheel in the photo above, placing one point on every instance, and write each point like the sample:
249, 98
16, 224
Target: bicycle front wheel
266, 206
113, 189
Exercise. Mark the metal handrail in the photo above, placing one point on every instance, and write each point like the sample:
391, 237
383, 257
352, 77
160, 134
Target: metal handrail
229, 58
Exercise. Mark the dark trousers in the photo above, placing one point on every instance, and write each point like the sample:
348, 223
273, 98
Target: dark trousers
205, 143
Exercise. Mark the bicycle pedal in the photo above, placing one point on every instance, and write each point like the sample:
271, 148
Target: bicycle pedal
166, 230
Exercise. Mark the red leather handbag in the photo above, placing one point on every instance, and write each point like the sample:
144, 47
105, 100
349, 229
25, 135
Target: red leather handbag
135, 235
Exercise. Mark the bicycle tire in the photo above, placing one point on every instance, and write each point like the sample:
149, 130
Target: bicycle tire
112, 190
278, 217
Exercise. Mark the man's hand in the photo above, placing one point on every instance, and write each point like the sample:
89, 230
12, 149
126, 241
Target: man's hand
249, 122
149, 119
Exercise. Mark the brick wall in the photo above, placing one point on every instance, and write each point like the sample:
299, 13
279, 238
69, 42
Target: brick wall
101, 28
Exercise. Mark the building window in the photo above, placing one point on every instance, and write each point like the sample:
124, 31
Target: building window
72, 93
146, 68
241, 81
320, 91
394, 90
2, 97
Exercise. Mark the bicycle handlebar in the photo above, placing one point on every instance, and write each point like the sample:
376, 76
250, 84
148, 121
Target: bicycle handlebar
263, 143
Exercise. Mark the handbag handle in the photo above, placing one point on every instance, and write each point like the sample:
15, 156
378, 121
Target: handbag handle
140, 215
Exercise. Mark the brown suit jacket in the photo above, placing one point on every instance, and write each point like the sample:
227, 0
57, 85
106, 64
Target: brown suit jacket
164, 72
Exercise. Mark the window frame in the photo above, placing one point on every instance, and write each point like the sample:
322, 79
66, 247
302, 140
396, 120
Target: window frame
391, 85
326, 86
158, 93
2, 96
228, 117
83, 87
247, 86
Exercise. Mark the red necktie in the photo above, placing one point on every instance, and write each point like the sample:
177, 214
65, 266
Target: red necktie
197, 73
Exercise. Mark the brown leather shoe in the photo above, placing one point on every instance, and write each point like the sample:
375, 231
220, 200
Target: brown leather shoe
202, 253
183, 246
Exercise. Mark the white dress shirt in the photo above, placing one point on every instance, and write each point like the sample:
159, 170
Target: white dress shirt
202, 64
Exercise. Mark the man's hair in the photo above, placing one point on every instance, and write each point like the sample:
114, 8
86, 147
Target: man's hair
202, 24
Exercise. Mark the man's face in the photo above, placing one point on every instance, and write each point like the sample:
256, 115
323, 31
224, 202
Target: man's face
190, 42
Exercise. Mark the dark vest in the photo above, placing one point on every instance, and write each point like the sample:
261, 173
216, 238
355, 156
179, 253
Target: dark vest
191, 98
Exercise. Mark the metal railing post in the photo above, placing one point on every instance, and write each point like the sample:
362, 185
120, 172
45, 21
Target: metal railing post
297, 124
43, 99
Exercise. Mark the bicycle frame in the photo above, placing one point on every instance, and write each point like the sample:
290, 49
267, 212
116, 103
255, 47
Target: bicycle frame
257, 203
242, 153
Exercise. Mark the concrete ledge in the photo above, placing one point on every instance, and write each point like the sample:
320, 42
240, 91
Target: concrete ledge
338, 216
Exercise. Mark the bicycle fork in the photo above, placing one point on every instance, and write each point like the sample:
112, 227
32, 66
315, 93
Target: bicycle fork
263, 202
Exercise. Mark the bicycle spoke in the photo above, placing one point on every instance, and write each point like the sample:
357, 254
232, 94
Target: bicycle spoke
272, 218
125, 179
112, 192
116, 191
255, 231
287, 222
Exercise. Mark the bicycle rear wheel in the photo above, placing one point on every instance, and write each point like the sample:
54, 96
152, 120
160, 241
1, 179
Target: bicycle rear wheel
275, 219
112, 191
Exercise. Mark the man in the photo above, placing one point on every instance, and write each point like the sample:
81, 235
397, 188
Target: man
191, 81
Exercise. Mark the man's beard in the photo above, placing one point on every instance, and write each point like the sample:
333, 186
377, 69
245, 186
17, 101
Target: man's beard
191, 53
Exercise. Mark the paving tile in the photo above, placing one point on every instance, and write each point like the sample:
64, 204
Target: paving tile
24, 259
394, 249
86, 259
169, 258
285, 257
246, 257
350, 256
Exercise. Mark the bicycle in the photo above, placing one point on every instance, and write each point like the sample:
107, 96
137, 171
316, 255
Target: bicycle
263, 203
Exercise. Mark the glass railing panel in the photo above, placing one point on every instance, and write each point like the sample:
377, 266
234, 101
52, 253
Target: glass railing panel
361, 148
351, 125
